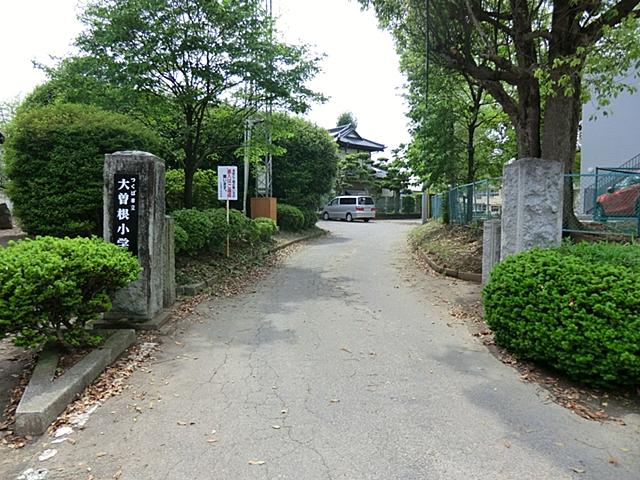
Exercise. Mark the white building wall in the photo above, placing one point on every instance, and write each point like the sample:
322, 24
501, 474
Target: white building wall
611, 140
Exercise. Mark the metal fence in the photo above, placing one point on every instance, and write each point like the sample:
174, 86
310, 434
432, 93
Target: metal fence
435, 206
480, 200
590, 187
604, 203
398, 204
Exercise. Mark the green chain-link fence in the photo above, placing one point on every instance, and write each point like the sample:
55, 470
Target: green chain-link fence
480, 200
604, 203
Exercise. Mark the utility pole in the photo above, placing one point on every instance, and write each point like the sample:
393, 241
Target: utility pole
264, 181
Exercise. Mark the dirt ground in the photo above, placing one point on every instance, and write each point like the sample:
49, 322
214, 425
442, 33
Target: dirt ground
458, 247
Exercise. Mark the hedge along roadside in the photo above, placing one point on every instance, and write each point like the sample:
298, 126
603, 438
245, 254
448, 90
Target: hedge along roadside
55, 158
51, 287
199, 231
295, 219
575, 308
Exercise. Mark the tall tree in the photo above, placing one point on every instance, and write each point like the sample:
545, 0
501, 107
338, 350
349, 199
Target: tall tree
354, 171
346, 118
194, 54
529, 55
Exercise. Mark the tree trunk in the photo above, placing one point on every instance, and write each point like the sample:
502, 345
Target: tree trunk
562, 114
527, 126
563, 109
189, 172
190, 156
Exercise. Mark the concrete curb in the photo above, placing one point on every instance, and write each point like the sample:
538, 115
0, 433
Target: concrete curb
468, 276
44, 398
155, 323
193, 289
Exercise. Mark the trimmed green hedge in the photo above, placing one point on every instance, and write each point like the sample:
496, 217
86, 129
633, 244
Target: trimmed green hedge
575, 308
310, 217
290, 218
51, 287
55, 158
266, 228
206, 231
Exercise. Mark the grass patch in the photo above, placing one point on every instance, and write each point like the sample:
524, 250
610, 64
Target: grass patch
458, 247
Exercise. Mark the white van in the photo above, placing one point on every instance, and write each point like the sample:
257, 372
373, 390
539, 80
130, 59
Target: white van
350, 208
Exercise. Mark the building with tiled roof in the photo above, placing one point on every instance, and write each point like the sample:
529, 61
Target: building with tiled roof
349, 141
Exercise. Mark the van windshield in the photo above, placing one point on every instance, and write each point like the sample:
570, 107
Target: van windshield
365, 201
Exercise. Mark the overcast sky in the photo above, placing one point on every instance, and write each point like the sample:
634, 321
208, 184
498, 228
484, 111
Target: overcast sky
359, 73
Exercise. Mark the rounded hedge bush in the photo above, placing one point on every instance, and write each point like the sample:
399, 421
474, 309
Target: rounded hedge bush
310, 217
198, 227
51, 287
575, 308
55, 158
290, 218
266, 228
206, 231
205, 190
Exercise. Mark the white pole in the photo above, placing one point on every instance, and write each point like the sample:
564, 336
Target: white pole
247, 139
228, 228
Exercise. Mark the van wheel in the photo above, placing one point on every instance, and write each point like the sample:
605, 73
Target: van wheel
366, 220
325, 216
349, 218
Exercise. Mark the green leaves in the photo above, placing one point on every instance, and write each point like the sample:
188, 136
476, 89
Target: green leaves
290, 218
51, 287
55, 158
206, 231
575, 308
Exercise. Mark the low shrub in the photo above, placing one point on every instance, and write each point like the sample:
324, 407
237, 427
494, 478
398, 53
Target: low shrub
575, 308
198, 231
310, 217
205, 194
290, 218
181, 239
266, 228
198, 227
51, 287
241, 228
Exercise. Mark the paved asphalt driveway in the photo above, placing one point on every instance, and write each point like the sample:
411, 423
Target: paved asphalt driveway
342, 364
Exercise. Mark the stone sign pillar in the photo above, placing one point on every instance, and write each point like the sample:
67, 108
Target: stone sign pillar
490, 247
134, 218
531, 205
425, 212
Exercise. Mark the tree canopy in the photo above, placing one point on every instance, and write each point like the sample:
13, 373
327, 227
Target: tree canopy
529, 56
346, 118
191, 55
305, 168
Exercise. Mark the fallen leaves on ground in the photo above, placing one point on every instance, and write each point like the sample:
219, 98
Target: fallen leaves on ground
9, 439
585, 402
231, 276
110, 383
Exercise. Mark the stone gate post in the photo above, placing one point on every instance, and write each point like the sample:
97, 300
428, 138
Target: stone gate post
532, 198
134, 218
